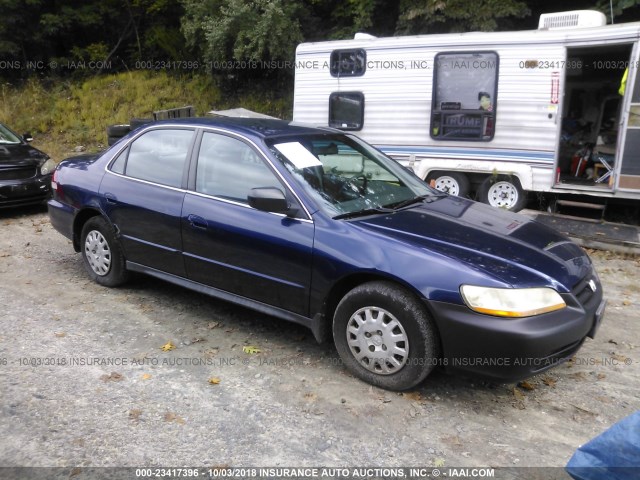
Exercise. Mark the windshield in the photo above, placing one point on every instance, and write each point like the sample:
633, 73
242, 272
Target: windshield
7, 136
345, 175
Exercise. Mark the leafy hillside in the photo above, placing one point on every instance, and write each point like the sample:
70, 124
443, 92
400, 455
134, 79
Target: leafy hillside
65, 115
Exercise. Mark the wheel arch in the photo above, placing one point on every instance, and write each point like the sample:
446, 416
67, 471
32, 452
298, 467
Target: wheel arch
349, 282
476, 169
82, 217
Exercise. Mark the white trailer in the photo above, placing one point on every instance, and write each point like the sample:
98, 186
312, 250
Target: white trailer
495, 113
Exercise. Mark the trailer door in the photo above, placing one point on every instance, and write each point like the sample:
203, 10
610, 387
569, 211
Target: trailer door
627, 170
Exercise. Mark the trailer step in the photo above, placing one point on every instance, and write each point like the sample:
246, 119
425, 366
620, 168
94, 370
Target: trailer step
578, 210
572, 203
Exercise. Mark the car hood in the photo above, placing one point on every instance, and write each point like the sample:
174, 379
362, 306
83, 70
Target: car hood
509, 247
22, 155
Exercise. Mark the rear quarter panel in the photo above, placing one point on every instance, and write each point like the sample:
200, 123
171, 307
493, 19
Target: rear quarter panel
77, 184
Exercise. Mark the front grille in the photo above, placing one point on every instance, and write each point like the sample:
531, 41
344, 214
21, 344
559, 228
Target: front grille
18, 173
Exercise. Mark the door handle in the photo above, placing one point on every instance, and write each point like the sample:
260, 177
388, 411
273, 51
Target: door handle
197, 221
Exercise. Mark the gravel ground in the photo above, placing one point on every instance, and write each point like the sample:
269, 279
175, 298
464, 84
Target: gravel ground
85, 380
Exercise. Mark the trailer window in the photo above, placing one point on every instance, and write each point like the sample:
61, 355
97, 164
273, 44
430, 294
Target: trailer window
348, 63
464, 96
346, 110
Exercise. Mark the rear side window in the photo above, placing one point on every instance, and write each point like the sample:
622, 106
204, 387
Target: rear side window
346, 110
348, 63
119, 163
159, 156
464, 103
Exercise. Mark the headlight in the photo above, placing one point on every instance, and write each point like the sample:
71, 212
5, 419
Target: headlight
511, 302
47, 167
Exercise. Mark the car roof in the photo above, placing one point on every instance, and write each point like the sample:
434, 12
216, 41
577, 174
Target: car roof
260, 127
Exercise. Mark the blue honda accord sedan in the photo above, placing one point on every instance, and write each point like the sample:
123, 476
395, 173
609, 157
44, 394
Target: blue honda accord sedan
319, 228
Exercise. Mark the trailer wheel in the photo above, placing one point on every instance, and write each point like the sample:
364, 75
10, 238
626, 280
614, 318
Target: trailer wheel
502, 191
118, 130
138, 122
453, 183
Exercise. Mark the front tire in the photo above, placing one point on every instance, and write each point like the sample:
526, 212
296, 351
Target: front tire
385, 336
102, 253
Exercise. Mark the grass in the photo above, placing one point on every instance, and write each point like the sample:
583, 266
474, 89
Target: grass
63, 115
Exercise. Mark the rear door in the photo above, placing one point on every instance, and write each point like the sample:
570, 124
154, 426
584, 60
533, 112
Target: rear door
143, 194
234, 247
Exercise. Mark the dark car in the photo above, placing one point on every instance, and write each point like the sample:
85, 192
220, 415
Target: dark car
319, 228
25, 171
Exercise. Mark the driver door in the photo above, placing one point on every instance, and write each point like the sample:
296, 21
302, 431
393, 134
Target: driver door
234, 247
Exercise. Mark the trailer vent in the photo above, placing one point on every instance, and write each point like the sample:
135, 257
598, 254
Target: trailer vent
573, 19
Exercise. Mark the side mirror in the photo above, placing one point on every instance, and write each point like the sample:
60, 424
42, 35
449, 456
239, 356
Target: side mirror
27, 137
268, 199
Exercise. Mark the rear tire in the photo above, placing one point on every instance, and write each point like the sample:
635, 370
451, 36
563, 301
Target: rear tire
385, 336
503, 191
102, 253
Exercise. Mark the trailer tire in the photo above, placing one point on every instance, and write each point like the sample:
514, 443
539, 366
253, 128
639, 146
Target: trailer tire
138, 122
118, 130
112, 140
453, 183
503, 191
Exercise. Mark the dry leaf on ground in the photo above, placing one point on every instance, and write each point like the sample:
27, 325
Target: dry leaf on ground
112, 377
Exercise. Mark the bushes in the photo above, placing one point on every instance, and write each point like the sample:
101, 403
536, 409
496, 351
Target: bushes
62, 115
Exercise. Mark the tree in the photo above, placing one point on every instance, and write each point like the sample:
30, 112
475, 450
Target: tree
441, 16
622, 10
242, 30
348, 17
59, 32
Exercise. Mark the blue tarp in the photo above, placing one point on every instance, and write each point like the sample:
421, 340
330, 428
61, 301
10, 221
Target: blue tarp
612, 455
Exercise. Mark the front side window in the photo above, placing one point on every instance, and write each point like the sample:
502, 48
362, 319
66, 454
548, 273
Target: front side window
229, 168
158, 156
464, 99
346, 110
348, 63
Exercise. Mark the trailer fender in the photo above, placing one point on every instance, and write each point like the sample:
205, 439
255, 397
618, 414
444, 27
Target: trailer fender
524, 172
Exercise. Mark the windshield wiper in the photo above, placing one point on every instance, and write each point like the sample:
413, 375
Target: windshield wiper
420, 198
364, 212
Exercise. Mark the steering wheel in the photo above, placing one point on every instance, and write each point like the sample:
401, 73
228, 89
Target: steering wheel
353, 181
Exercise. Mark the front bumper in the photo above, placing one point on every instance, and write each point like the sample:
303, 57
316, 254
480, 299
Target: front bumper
510, 350
28, 191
